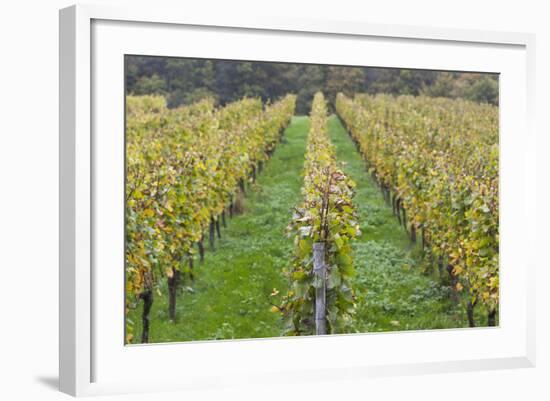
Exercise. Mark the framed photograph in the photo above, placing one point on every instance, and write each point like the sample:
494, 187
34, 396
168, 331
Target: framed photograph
243, 200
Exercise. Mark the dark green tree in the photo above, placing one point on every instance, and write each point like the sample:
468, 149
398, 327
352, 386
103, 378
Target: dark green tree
186, 80
348, 80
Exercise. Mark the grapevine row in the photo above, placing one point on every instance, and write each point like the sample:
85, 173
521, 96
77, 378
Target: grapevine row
437, 162
185, 167
326, 216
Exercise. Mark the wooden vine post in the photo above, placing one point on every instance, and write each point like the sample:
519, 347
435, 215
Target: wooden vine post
319, 270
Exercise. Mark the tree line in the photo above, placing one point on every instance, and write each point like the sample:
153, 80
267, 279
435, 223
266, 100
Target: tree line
185, 81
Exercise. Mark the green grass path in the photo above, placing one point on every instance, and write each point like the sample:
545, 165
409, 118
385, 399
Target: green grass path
392, 292
230, 296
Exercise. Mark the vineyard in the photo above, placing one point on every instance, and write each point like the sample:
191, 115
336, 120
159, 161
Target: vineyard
437, 164
185, 167
245, 221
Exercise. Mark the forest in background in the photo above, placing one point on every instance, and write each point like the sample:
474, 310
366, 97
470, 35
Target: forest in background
185, 81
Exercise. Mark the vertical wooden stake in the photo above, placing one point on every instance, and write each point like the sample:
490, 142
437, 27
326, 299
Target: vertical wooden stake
218, 228
191, 275
491, 318
173, 283
470, 313
201, 249
212, 234
319, 270
147, 297
398, 209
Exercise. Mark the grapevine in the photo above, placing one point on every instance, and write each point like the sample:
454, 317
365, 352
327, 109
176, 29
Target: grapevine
326, 215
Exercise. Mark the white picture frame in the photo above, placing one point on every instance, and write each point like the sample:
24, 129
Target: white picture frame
91, 40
